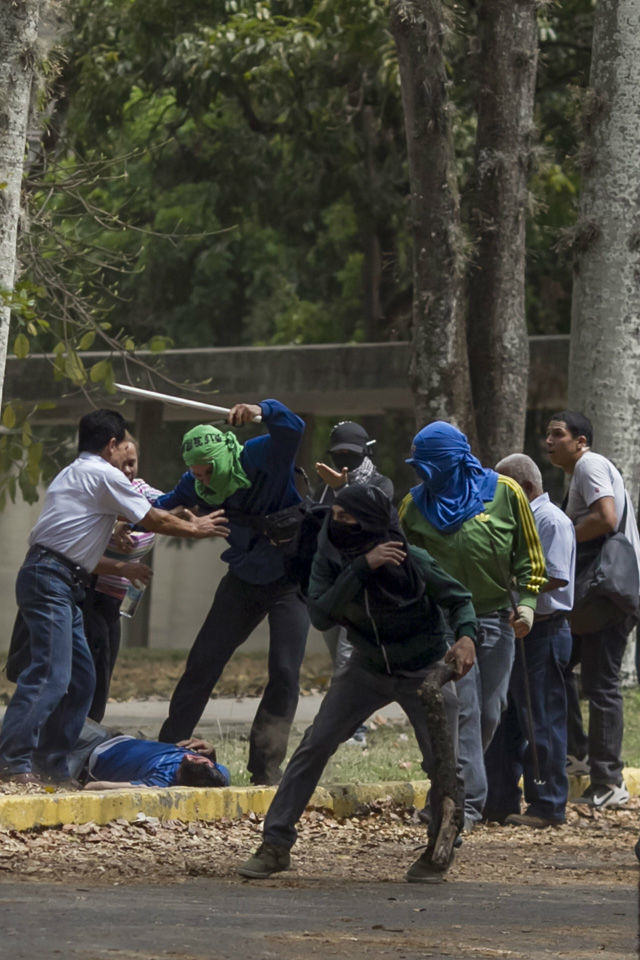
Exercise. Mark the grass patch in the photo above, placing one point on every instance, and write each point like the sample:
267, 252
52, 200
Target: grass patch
631, 740
392, 753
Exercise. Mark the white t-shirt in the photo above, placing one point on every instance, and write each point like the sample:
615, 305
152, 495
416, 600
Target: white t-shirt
595, 477
81, 507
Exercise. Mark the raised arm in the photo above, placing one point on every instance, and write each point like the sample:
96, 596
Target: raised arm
285, 427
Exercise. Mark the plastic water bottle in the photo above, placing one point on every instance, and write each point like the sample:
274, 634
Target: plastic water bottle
132, 599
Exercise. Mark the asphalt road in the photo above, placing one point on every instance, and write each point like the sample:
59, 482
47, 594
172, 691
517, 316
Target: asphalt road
209, 919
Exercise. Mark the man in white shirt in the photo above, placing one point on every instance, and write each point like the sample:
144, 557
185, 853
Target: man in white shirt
54, 692
596, 504
547, 652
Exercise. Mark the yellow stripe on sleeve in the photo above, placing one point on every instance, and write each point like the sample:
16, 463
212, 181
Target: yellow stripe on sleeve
532, 540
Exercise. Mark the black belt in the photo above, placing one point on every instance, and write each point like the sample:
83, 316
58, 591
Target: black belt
559, 615
77, 572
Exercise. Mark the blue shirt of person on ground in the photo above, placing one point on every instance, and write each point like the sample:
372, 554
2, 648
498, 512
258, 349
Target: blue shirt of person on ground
126, 760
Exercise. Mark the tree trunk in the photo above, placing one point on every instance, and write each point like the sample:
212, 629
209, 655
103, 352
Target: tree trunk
604, 363
439, 370
372, 255
497, 329
18, 36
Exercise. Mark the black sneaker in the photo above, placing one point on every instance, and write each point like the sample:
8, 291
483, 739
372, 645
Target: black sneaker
267, 859
423, 870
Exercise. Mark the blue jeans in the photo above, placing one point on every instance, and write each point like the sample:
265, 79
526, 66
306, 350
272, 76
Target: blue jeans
482, 696
547, 652
54, 692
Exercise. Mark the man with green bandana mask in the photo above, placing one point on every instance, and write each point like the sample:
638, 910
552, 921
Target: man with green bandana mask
248, 482
219, 454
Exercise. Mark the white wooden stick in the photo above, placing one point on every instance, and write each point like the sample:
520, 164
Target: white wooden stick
176, 401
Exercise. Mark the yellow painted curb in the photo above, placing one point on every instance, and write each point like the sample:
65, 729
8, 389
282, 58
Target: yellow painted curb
23, 812
188, 803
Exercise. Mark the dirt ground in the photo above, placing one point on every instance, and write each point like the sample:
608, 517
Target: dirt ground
153, 674
377, 846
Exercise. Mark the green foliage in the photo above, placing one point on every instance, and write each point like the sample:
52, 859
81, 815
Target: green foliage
269, 135
234, 173
26, 461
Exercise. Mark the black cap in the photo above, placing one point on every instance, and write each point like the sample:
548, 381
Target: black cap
348, 435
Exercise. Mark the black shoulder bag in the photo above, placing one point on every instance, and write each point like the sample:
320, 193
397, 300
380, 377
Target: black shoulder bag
607, 584
293, 530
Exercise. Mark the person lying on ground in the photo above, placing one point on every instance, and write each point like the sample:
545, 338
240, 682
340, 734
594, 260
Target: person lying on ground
112, 762
389, 597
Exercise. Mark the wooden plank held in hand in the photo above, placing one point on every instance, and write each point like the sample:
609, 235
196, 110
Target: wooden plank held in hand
451, 814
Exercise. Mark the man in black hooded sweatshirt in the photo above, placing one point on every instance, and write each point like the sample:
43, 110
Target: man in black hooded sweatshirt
350, 451
388, 595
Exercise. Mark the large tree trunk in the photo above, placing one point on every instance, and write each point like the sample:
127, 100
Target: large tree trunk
604, 365
439, 367
372, 259
497, 329
18, 36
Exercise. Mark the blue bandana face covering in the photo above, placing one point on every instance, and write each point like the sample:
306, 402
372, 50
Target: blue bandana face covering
455, 486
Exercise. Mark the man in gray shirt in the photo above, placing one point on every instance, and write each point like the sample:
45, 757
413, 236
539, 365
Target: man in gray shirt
596, 504
54, 691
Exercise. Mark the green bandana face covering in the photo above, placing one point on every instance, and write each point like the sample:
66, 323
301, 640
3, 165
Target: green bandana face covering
207, 444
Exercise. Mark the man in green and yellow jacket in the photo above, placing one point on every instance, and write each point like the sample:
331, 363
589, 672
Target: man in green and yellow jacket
480, 528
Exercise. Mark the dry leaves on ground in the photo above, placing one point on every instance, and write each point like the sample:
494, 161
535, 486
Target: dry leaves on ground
376, 846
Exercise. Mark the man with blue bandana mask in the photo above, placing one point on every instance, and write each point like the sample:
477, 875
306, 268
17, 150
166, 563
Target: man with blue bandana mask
479, 527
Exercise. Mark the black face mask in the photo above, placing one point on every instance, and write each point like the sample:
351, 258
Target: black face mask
350, 538
346, 458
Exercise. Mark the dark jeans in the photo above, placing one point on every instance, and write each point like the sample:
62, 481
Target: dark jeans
102, 629
577, 741
238, 608
547, 652
353, 696
600, 656
53, 693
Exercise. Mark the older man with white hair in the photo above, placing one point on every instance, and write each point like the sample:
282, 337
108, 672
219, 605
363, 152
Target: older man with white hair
547, 652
